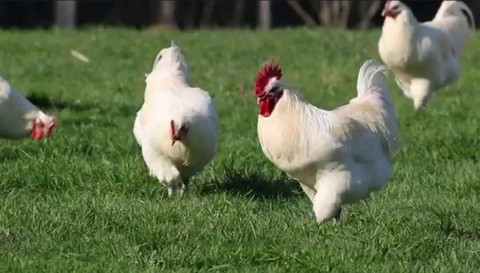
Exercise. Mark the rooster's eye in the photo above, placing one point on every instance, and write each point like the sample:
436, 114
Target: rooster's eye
275, 90
184, 129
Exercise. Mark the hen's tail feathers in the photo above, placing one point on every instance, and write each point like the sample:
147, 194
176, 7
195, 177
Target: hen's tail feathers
456, 18
456, 8
372, 87
371, 78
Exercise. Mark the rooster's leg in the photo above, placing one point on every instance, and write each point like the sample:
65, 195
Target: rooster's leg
327, 202
337, 216
421, 92
181, 191
308, 191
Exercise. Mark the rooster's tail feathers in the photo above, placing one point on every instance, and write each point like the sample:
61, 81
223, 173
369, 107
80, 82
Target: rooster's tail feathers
373, 90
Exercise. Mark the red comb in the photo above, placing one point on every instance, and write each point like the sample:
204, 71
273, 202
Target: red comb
269, 70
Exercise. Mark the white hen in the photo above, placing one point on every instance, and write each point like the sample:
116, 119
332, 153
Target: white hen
424, 56
338, 156
20, 118
177, 126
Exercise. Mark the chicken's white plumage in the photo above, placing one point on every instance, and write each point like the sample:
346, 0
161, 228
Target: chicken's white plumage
20, 118
338, 156
424, 57
177, 126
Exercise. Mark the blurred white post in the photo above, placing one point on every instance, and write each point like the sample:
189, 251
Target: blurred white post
66, 14
167, 12
264, 14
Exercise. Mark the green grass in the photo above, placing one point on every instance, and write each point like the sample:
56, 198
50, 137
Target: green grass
84, 202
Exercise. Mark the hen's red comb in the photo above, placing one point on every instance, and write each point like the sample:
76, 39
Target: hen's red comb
386, 7
269, 70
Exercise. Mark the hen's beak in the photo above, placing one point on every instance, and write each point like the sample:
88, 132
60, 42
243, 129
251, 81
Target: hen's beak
385, 8
389, 13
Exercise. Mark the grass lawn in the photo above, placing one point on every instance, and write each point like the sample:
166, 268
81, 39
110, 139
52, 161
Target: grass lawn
84, 202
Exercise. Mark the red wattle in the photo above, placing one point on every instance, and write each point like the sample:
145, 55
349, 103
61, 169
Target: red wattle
266, 106
37, 133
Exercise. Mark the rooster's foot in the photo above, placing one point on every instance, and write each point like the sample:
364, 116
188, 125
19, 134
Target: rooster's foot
181, 191
170, 191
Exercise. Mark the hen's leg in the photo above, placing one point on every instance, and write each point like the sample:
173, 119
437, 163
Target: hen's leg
308, 191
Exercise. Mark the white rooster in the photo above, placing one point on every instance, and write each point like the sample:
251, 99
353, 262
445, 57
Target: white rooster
177, 126
424, 57
338, 156
20, 118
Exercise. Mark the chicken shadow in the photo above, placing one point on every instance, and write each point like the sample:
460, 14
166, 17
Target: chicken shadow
448, 227
45, 103
252, 186
8, 154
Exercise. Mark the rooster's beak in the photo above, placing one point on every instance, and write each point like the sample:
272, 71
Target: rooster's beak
174, 139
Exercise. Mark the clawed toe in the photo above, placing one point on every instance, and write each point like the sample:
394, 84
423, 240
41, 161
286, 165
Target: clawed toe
170, 191
180, 190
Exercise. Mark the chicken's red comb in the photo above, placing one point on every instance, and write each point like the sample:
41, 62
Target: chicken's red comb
269, 70
387, 5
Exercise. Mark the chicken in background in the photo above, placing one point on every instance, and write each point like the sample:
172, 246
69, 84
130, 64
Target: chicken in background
424, 57
338, 156
19, 118
177, 126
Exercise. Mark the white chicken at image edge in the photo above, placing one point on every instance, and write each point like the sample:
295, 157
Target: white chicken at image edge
177, 126
424, 57
19, 118
338, 156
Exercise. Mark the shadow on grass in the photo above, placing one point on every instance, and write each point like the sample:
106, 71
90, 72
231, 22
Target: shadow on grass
451, 229
45, 103
7, 237
252, 185
8, 154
